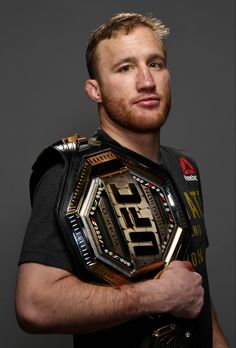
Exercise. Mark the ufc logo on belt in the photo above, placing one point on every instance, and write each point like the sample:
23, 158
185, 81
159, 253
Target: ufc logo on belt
134, 216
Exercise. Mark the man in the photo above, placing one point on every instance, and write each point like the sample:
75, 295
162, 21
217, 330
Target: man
129, 80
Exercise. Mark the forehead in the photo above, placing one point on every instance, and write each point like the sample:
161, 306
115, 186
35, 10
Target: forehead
138, 42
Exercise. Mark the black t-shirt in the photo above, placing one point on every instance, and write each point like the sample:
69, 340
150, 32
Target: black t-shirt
44, 243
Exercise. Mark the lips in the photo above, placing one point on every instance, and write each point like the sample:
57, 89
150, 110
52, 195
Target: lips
149, 101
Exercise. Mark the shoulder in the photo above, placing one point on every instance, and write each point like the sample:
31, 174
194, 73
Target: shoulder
51, 161
59, 156
181, 157
176, 152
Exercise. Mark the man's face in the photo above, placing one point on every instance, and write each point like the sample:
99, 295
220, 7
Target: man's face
134, 81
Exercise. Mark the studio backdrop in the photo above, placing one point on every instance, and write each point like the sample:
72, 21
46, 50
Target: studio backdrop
43, 71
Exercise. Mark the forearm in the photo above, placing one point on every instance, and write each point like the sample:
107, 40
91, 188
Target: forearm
77, 307
53, 300
72, 306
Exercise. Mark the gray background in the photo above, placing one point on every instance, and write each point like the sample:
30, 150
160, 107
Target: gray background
42, 99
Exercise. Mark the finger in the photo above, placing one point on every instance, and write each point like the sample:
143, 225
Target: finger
188, 265
182, 264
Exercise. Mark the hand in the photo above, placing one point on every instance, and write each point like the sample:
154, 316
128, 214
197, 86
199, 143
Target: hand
184, 291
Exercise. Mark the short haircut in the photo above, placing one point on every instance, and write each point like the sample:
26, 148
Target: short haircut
121, 22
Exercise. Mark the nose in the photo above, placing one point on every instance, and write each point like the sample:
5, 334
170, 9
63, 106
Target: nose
145, 80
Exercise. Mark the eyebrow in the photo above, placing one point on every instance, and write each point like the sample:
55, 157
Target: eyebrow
129, 59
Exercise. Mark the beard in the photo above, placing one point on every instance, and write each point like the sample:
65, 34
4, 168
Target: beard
139, 121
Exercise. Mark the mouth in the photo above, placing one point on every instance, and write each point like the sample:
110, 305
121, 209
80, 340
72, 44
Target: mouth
148, 101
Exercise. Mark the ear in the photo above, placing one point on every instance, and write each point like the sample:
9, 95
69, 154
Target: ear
92, 90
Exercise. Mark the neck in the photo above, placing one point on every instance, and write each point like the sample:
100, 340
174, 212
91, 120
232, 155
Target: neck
147, 144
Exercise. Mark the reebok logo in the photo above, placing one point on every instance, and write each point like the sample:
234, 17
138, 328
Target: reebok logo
190, 177
189, 172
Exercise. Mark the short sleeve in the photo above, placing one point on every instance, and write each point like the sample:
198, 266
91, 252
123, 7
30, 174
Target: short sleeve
43, 242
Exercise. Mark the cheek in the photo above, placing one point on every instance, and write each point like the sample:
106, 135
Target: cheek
165, 83
118, 89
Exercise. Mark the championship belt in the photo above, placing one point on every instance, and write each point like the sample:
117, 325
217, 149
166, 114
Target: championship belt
124, 219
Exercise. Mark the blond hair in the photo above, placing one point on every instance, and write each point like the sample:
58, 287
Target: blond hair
121, 22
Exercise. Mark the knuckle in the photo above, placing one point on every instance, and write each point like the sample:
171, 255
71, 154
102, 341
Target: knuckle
197, 275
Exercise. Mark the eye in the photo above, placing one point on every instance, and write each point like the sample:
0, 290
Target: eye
125, 68
156, 65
